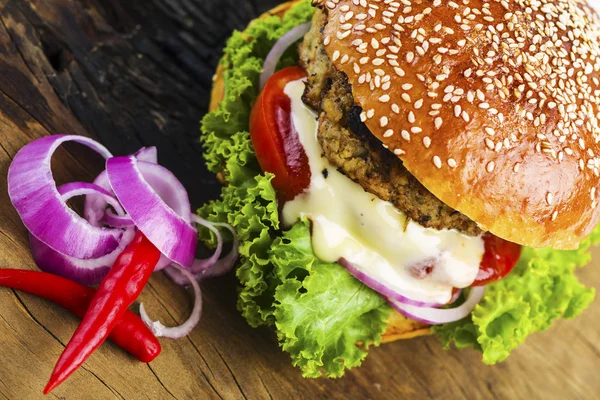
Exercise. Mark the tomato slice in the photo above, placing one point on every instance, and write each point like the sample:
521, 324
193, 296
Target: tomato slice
499, 258
280, 152
275, 139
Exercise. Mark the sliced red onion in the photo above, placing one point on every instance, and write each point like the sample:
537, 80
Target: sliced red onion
33, 192
116, 221
184, 329
219, 268
74, 189
455, 296
169, 232
164, 183
148, 154
201, 265
225, 264
436, 316
86, 272
382, 288
173, 273
94, 208
279, 48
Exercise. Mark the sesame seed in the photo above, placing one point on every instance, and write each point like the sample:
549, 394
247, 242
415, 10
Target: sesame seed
490, 166
457, 110
437, 162
426, 142
538, 64
549, 198
388, 133
383, 121
405, 135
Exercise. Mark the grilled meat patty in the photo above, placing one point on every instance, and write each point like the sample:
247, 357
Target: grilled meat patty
348, 144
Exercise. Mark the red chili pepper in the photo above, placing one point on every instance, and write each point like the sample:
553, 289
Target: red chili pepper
116, 293
130, 333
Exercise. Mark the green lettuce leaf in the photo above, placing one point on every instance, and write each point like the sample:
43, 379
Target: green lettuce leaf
541, 289
322, 311
319, 311
325, 319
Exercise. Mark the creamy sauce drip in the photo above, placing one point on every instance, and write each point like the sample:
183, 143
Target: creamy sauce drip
420, 263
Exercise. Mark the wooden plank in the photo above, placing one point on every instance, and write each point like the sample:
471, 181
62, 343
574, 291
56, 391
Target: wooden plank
138, 73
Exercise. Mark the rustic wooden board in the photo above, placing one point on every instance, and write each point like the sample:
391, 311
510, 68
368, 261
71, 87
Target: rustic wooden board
133, 73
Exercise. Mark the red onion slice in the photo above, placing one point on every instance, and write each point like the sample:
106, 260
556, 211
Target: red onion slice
221, 267
455, 296
164, 183
33, 192
86, 272
382, 288
116, 221
201, 265
225, 264
148, 154
279, 48
436, 316
184, 329
169, 232
94, 208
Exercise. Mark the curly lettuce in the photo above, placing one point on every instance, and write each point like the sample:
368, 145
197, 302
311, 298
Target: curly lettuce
319, 311
541, 289
324, 318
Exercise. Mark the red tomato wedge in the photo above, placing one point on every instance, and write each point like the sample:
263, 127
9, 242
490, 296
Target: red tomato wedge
280, 152
275, 139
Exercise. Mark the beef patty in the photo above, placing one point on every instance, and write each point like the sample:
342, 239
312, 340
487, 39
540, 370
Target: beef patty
348, 144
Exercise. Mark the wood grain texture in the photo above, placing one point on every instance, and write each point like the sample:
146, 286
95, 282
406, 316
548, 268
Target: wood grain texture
133, 73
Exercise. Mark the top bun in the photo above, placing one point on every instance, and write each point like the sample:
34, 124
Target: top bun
491, 105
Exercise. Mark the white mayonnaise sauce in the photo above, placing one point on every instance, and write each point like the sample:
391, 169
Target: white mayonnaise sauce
349, 223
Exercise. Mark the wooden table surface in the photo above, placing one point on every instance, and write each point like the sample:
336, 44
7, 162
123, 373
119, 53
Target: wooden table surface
132, 73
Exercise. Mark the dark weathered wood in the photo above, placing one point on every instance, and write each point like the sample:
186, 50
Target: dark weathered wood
134, 73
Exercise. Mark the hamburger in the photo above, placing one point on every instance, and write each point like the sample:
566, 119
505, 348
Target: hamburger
411, 168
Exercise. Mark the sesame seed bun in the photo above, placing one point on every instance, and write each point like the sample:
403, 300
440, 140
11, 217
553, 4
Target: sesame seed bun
492, 106
399, 327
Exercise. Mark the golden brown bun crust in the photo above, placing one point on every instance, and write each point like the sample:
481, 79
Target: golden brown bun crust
399, 327
492, 106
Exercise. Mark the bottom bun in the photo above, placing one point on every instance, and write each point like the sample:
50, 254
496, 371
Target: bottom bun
399, 327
